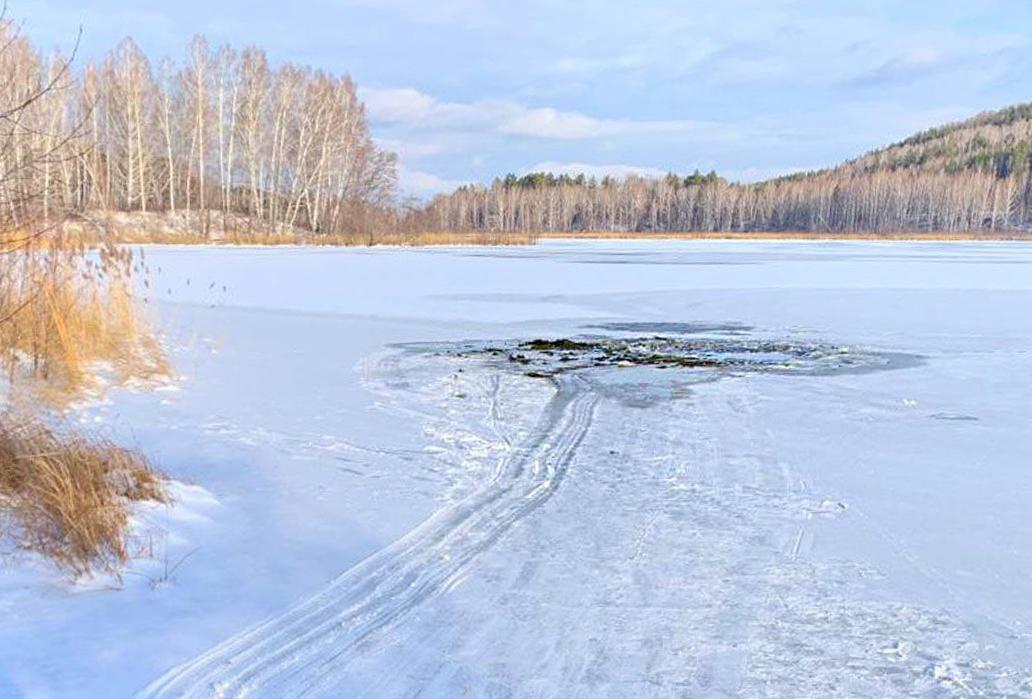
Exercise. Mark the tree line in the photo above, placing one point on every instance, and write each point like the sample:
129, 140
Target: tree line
220, 137
888, 200
968, 176
225, 141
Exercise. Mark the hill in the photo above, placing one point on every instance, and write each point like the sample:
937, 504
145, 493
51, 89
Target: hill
997, 142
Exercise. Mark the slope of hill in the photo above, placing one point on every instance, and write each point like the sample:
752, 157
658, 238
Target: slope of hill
997, 142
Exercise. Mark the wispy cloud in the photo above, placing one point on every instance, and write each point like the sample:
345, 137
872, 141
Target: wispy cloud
421, 184
551, 123
408, 150
915, 63
412, 108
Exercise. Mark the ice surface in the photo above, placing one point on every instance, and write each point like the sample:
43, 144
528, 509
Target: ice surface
403, 521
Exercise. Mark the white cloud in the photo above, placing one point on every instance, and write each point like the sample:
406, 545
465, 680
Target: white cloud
408, 150
915, 62
422, 184
417, 110
596, 170
414, 108
551, 123
400, 105
591, 65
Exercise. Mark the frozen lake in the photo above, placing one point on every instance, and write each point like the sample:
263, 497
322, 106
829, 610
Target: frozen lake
375, 510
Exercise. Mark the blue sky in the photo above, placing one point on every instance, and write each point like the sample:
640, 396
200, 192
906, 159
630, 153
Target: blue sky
465, 90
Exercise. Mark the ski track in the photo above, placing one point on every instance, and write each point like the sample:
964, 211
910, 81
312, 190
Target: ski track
301, 651
697, 582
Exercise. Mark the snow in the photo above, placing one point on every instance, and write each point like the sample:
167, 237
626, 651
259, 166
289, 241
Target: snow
396, 519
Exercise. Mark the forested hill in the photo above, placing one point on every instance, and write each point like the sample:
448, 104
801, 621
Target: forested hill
966, 176
998, 143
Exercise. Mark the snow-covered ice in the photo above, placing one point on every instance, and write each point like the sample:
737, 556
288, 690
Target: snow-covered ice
361, 514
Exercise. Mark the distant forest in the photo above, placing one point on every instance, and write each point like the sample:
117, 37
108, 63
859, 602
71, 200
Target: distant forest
222, 140
967, 176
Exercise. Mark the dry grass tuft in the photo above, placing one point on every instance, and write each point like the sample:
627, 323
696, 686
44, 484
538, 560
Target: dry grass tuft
63, 311
69, 494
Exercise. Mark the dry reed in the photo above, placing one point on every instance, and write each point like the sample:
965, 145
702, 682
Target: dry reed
389, 239
900, 236
68, 495
134, 228
63, 311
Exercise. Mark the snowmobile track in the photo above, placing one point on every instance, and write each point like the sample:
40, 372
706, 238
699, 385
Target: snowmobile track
305, 650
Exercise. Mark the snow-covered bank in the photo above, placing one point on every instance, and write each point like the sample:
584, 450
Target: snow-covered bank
749, 535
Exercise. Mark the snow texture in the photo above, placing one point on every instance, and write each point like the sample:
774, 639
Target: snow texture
380, 508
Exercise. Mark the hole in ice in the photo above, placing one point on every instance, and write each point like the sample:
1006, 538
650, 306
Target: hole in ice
550, 357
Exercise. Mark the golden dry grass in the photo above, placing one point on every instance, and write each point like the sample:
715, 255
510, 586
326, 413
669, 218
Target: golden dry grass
387, 239
428, 238
789, 235
69, 494
63, 311
180, 228
486, 238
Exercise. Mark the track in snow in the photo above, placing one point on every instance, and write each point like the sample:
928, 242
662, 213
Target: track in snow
306, 650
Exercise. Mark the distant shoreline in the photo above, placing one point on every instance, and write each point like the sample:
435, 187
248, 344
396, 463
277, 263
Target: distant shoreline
528, 239
803, 236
